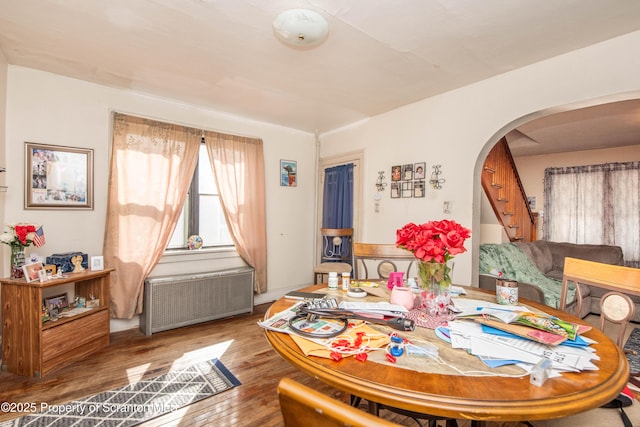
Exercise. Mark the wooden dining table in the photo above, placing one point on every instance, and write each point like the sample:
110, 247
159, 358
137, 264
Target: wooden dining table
477, 398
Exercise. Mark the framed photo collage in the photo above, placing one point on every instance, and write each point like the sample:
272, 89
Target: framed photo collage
408, 180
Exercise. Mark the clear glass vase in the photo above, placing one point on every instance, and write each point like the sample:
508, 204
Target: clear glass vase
435, 281
17, 261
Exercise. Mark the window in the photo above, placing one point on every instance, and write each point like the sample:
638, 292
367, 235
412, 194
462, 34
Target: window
202, 215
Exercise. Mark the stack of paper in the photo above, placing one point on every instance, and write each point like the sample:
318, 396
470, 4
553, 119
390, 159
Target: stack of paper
497, 347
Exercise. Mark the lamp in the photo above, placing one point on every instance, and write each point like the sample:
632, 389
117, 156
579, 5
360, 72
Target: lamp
301, 28
435, 181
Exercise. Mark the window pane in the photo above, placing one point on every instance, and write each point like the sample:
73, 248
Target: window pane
179, 239
206, 182
213, 227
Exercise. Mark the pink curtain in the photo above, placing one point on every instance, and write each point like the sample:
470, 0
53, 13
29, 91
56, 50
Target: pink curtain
238, 167
152, 164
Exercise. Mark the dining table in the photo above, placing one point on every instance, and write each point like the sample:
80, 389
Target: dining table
459, 393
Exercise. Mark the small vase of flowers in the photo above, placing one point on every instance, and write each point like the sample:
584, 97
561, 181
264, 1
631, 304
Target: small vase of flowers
19, 237
434, 244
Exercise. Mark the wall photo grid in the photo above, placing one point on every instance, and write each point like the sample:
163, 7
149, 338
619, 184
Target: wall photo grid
407, 180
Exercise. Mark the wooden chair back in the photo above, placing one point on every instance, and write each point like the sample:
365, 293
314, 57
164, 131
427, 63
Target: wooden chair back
615, 306
385, 258
304, 406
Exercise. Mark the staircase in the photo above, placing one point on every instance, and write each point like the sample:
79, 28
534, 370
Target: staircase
505, 192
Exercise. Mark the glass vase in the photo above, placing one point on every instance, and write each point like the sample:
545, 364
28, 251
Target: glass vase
435, 281
17, 261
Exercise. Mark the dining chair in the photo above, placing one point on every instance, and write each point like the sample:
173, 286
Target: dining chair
303, 406
615, 306
381, 259
336, 253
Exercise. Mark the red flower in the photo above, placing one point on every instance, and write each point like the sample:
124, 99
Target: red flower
433, 241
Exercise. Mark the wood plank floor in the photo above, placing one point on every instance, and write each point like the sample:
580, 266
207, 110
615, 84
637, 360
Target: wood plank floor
238, 342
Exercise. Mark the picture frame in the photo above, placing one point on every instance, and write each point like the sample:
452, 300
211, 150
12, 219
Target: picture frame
42, 275
97, 263
407, 172
58, 177
407, 189
288, 173
31, 271
418, 189
395, 190
59, 302
419, 170
396, 173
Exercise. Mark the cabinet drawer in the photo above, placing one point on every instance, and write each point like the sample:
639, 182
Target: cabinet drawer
71, 335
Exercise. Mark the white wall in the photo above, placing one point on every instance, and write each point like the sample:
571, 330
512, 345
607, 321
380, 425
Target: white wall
457, 129
51, 109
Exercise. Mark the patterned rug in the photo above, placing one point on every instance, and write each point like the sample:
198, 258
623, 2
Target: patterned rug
633, 343
135, 403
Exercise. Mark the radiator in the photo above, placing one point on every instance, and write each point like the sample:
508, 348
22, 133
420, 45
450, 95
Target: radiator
175, 301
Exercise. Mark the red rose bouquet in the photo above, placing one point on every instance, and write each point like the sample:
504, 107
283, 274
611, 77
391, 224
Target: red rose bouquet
434, 244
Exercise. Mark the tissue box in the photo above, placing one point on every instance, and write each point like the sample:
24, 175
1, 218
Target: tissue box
63, 261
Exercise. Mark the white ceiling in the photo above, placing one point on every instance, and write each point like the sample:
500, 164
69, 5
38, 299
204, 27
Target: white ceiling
379, 55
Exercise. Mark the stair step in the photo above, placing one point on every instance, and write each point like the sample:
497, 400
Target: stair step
514, 225
508, 213
503, 199
490, 170
498, 186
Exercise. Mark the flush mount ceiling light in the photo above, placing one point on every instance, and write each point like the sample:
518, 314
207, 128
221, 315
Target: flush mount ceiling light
301, 28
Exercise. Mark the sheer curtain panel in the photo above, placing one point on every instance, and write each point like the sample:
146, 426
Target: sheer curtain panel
238, 168
152, 164
597, 204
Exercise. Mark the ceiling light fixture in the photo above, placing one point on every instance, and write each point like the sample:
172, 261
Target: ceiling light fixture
300, 28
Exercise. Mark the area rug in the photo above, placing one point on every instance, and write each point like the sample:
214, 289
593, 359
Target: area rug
135, 403
633, 343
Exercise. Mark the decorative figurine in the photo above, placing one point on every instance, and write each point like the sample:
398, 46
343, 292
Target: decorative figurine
77, 264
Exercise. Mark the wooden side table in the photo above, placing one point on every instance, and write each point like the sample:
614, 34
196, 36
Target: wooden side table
31, 347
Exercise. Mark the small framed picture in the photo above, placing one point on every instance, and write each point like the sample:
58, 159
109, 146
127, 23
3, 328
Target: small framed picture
50, 269
407, 172
396, 173
97, 263
31, 271
407, 189
288, 173
58, 302
42, 275
418, 189
418, 171
395, 190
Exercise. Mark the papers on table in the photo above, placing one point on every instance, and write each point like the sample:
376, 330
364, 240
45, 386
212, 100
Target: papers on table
374, 308
499, 348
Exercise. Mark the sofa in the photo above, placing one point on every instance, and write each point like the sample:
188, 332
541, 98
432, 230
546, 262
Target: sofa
538, 267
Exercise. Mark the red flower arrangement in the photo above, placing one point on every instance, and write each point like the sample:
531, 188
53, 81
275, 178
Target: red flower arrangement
433, 241
434, 244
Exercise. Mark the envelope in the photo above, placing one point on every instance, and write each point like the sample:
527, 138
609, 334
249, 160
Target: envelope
371, 338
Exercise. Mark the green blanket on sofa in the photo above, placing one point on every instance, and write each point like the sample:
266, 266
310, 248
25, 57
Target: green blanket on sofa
515, 265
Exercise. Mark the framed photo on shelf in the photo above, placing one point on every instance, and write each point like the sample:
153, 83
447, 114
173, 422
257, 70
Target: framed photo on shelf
58, 177
418, 171
59, 301
97, 263
288, 173
32, 271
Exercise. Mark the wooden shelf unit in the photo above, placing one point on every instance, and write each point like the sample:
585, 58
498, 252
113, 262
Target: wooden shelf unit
33, 348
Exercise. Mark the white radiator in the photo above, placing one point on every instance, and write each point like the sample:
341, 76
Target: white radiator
175, 301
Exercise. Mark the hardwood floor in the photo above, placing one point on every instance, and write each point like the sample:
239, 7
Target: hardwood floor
238, 342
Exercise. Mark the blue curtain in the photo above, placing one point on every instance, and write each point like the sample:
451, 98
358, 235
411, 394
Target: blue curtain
337, 203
